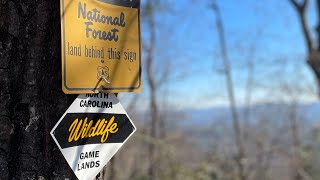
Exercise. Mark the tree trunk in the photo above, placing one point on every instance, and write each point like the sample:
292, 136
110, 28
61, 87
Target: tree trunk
240, 154
30, 90
314, 63
313, 58
154, 114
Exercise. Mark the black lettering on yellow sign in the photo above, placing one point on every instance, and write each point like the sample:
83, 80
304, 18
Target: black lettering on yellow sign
113, 54
100, 33
95, 16
93, 52
77, 129
130, 56
74, 50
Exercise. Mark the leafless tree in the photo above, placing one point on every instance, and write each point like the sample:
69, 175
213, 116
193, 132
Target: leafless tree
313, 48
154, 112
227, 72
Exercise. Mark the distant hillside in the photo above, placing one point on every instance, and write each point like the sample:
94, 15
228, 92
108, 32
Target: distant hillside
309, 112
202, 124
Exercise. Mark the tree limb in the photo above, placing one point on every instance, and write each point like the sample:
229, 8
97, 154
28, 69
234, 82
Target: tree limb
295, 4
300, 8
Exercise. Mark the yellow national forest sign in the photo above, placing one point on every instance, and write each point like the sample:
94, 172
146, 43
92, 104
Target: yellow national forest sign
100, 46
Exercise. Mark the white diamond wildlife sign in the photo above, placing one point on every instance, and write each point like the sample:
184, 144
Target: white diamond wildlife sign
91, 131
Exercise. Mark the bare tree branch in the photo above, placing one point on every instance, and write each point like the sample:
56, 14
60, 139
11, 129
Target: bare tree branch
318, 26
300, 6
301, 9
305, 3
295, 3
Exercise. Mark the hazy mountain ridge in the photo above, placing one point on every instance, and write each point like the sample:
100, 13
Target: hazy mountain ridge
310, 112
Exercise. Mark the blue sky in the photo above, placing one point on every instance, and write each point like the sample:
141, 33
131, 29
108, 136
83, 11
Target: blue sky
266, 32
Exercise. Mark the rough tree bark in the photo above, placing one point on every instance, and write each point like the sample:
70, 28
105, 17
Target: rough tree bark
31, 99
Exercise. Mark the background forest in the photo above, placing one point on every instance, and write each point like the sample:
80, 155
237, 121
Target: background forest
228, 93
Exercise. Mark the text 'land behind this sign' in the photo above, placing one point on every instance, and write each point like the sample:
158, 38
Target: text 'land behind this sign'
100, 46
